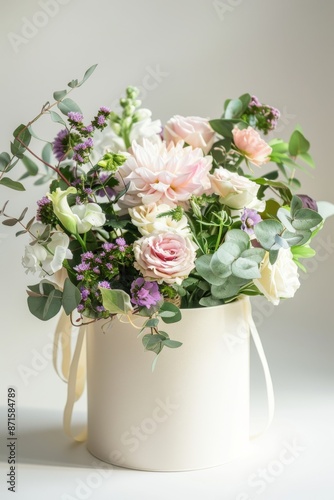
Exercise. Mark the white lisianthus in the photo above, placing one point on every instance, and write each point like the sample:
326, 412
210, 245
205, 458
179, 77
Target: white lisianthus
48, 258
278, 280
145, 217
234, 190
78, 218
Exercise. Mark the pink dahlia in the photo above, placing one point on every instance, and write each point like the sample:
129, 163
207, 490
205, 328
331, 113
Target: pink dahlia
157, 173
251, 145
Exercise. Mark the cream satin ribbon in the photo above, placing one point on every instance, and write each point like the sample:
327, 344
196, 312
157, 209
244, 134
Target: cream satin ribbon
268, 380
74, 371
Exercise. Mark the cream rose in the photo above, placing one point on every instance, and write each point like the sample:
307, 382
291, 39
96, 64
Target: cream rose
165, 257
235, 191
145, 217
251, 145
193, 130
278, 280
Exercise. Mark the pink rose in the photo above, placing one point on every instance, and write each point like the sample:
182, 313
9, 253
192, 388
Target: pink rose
251, 145
165, 257
193, 130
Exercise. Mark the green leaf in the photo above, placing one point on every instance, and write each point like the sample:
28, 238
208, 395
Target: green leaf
246, 268
55, 117
73, 83
296, 204
152, 342
71, 296
10, 222
266, 231
255, 254
171, 343
229, 289
23, 133
298, 144
168, 307
245, 100
292, 238
210, 302
87, 74
47, 305
68, 105
238, 236
307, 159
4, 161
222, 260
116, 301
47, 153
304, 252
204, 270
6, 181
234, 109
222, 127
59, 94
305, 218
30, 165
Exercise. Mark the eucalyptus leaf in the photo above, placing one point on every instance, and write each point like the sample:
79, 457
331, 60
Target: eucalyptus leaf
204, 270
266, 231
71, 296
17, 186
234, 109
246, 268
30, 165
305, 218
174, 313
87, 74
298, 144
59, 94
68, 105
55, 117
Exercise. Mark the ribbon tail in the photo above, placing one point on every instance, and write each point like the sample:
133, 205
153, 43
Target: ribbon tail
62, 337
76, 385
268, 380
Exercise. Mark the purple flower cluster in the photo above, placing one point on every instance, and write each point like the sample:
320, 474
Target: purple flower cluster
82, 151
99, 269
100, 120
45, 213
145, 293
60, 144
262, 116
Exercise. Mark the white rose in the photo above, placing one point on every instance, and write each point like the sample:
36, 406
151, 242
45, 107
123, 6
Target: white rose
235, 191
145, 217
278, 280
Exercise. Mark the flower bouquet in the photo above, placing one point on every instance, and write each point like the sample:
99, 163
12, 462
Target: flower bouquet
144, 220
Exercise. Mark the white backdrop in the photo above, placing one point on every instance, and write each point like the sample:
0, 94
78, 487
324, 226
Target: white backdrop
187, 57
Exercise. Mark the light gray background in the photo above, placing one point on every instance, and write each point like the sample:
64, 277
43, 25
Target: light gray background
203, 52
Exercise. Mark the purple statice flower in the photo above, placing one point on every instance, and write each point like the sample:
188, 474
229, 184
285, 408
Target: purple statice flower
101, 119
266, 117
80, 307
75, 117
82, 267
80, 277
108, 246
145, 293
60, 144
43, 202
78, 158
104, 284
84, 293
104, 109
308, 202
254, 102
109, 266
249, 219
87, 255
100, 309
89, 129
121, 244
96, 270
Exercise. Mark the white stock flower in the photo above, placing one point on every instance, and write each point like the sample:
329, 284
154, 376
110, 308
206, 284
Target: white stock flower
278, 280
48, 258
145, 217
108, 141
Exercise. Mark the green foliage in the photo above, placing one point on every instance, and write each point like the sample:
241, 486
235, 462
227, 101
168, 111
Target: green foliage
44, 300
116, 301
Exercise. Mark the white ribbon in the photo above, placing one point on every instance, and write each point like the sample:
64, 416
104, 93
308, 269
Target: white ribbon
269, 384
